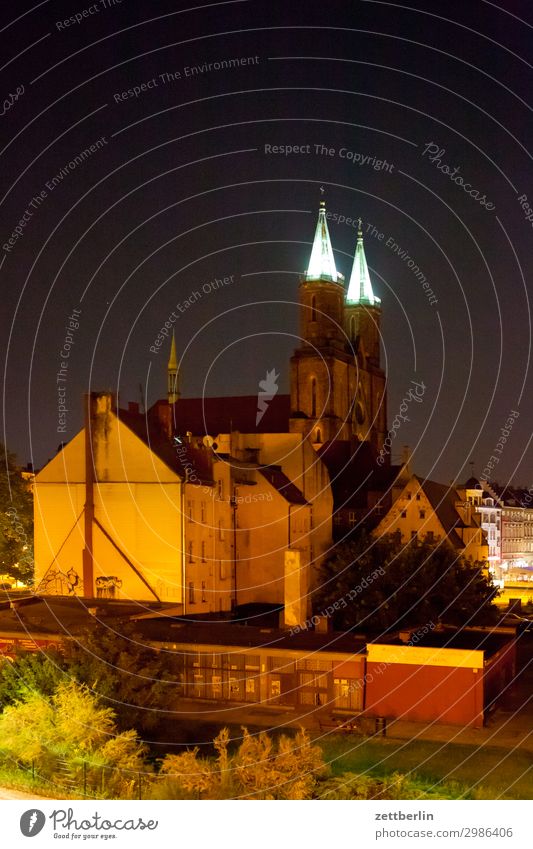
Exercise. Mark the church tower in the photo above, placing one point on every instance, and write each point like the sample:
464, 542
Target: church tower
173, 392
337, 386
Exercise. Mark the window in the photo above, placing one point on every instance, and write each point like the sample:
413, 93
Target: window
220, 489
222, 570
404, 514
337, 520
318, 437
191, 554
190, 514
429, 537
409, 496
202, 512
422, 514
202, 548
413, 534
418, 496
191, 593
351, 517
313, 397
203, 591
220, 530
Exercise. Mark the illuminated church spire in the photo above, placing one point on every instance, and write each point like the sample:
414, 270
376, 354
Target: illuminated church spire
322, 263
173, 374
360, 288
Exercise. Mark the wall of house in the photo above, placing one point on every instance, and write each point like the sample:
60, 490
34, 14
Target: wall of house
425, 685
137, 505
301, 465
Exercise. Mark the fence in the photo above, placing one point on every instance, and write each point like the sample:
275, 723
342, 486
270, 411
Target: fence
79, 777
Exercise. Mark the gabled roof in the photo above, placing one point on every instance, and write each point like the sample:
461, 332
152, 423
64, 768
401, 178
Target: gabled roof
443, 500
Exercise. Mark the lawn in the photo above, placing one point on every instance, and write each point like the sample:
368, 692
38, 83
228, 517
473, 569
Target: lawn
486, 772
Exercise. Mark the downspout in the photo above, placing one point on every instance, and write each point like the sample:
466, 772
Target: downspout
234, 513
182, 516
87, 559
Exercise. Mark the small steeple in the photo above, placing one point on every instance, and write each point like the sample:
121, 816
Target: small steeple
322, 262
360, 288
173, 373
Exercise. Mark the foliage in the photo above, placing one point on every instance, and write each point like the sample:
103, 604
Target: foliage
386, 586
30, 672
62, 732
16, 520
350, 785
260, 769
132, 677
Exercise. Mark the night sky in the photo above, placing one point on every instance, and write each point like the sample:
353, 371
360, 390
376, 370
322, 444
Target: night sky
390, 106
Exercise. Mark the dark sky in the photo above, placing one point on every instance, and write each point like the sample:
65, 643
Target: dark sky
181, 192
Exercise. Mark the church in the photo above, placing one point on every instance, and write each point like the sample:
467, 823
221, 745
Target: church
208, 505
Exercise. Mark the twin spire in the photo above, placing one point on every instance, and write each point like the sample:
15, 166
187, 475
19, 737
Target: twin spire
322, 264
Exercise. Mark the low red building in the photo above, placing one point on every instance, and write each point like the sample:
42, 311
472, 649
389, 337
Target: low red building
450, 676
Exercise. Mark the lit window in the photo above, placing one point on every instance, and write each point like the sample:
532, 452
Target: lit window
351, 517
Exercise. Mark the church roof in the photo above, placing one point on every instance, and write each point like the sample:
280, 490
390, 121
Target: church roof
360, 287
322, 262
355, 473
222, 415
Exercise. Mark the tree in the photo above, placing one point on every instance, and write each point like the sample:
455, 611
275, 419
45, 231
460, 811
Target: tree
260, 769
137, 680
31, 672
380, 585
16, 520
71, 734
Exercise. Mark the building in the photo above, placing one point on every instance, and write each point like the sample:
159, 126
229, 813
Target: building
431, 512
214, 503
220, 502
429, 674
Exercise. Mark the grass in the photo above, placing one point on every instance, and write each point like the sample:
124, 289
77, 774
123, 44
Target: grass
485, 772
